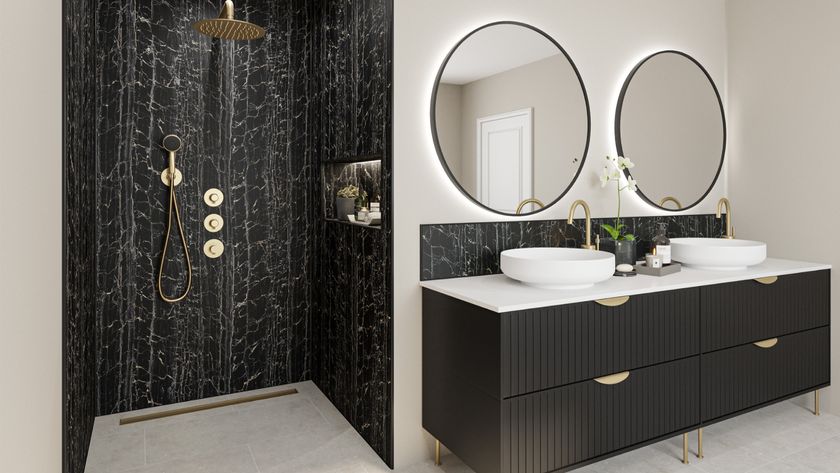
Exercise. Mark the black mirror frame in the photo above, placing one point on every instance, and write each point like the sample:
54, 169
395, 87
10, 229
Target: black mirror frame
434, 120
618, 110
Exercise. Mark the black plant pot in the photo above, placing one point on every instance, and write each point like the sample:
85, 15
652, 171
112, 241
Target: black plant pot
624, 250
344, 206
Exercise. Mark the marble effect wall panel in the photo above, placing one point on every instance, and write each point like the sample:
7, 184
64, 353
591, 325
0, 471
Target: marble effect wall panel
242, 110
353, 325
473, 249
79, 280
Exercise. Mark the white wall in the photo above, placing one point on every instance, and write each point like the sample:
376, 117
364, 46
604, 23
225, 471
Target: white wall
30, 237
605, 39
784, 117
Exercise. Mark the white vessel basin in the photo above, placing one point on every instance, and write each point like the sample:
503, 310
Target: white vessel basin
558, 268
717, 254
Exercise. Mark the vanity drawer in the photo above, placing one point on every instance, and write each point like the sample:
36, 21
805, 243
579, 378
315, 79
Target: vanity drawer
555, 346
746, 311
560, 427
746, 376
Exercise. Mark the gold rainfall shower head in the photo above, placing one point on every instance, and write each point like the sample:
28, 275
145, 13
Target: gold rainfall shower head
226, 27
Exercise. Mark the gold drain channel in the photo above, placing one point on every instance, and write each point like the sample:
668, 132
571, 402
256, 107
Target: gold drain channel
205, 406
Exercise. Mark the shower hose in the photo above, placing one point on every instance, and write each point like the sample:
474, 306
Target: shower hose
172, 144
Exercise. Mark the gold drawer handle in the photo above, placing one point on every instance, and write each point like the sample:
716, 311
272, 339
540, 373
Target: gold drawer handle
769, 343
613, 378
768, 280
613, 301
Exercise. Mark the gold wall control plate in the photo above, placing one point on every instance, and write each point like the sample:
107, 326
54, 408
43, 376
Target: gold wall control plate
213, 223
213, 248
164, 177
214, 197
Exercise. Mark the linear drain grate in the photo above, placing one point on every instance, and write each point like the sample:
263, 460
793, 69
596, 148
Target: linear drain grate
206, 406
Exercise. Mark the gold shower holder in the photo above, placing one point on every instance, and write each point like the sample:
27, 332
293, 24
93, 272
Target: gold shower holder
164, 177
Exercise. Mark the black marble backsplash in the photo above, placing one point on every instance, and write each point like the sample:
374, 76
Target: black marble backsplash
472, 249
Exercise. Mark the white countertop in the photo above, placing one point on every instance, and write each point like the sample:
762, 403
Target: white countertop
499, 293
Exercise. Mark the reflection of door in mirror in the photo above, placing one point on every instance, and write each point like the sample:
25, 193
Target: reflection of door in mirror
505, 159
510, 117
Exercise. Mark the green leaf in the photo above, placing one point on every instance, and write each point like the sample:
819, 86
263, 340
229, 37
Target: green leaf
629, 237
614, 233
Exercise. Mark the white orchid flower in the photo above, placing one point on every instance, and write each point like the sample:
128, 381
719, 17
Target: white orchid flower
631, 184
605, 177
625, 163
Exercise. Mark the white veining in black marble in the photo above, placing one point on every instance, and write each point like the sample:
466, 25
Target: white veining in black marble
473, 249
294, 296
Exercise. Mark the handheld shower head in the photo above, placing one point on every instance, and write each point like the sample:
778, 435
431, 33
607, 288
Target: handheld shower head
225, 27
171, 143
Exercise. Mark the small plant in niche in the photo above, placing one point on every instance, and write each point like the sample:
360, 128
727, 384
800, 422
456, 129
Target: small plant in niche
345, 201
612, 172
348, 192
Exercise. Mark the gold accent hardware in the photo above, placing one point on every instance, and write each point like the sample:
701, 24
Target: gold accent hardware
171, 143
700, 442
730, 231
769, 343
685, 448
598, 242
205, 406
612, 379
213, 248
226, 27
437, 452
214, 197
767, 280
164, 177
665, 200
817, 402
582, 203
528, 201
613, 301
213, 223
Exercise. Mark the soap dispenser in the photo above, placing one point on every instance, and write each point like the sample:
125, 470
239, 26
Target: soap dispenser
662, 244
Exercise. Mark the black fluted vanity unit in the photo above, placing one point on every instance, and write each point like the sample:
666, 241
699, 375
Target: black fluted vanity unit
518, 379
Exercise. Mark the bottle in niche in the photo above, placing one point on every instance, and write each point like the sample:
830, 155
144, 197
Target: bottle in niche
662, 244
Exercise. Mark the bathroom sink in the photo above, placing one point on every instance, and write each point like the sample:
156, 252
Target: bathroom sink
717, 254
558, 268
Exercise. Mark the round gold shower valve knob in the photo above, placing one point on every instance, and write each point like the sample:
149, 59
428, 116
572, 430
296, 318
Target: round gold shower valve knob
213, 248
213, 197
213, 223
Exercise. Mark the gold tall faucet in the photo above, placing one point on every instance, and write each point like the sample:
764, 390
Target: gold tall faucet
525, 202
582, 203
724, 202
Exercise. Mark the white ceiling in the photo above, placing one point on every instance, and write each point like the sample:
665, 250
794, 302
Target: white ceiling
496, 49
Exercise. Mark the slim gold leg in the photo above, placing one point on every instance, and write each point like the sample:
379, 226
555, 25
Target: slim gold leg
685, 448
817, 402
700, 442
437, 452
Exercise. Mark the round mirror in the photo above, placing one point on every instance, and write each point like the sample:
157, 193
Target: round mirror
670, 123
510, 118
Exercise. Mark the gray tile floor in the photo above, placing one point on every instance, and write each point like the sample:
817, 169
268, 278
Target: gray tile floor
305, 433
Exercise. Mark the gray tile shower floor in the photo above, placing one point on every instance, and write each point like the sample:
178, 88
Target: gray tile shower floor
305, 433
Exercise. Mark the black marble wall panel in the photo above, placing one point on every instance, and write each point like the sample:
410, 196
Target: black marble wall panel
243, 111
79, 382
473, 249
353, 322
366, 176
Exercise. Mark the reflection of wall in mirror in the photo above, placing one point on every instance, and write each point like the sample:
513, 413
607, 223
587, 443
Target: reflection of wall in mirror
671, 128
550, 86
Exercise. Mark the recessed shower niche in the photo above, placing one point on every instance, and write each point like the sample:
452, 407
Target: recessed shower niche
364, 177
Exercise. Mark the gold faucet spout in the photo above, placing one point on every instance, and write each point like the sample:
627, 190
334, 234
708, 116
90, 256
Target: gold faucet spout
724, 203
525, 202
582, 203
